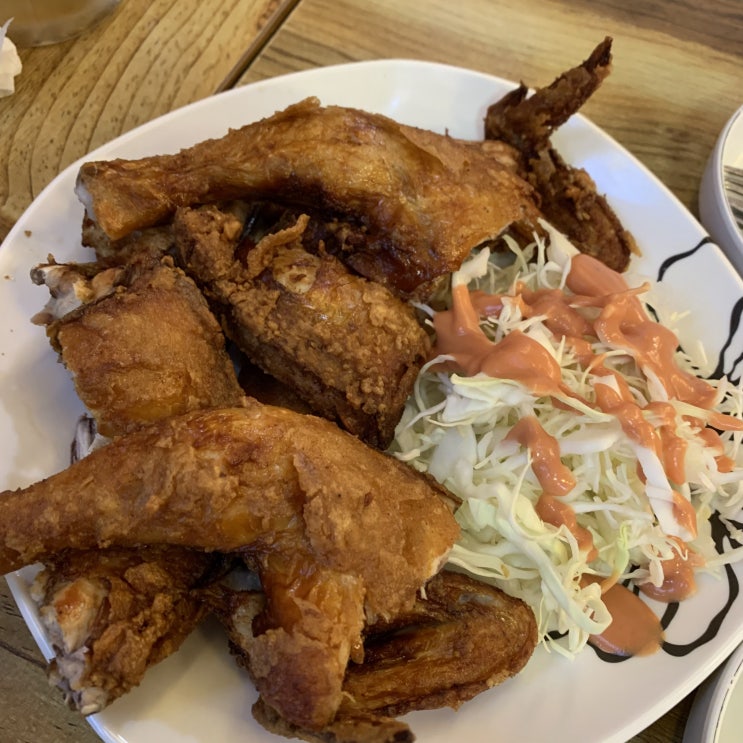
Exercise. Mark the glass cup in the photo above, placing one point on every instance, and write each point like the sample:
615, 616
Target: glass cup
41, 22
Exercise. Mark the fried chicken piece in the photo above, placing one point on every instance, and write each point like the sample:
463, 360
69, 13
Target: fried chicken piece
253, 480
311, 626
141, 247
144, 348
346, 346
141, 344
423, 200
240, 612
460, 638
111, 614
567, 196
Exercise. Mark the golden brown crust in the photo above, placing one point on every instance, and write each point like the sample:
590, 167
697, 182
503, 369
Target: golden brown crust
146, 352
425, 200
567, 196
347, 346
313, 620
111, 614
229, 479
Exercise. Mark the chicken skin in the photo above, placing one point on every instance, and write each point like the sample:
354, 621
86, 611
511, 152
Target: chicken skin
567, 196
346, 346
145, 349
253, 480
111, 614
423, 200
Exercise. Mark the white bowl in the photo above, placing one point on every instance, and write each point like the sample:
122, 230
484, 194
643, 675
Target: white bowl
714, 209
717, 712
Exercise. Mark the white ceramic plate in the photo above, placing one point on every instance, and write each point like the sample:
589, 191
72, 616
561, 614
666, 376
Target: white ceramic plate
198, 695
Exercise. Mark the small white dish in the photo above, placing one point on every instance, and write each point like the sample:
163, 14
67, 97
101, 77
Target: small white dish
714, 209
717, 713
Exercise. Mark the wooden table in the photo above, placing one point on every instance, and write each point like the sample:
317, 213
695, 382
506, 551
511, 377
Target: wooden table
675, 82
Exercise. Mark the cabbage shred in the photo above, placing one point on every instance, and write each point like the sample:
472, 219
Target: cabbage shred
454, 427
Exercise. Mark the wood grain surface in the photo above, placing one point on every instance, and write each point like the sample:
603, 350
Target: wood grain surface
142, 61
676, 80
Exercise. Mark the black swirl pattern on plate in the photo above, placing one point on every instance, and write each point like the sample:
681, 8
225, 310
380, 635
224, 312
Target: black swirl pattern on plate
723, 541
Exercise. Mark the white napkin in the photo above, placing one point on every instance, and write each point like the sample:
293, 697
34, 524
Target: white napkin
10, 62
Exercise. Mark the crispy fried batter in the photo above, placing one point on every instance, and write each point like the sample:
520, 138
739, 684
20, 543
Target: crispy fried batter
424, 200
228, 479
527, 122
460, 638
111, 614
263, 481
311, 626
143, 247
567, 196
345, 345
144, 351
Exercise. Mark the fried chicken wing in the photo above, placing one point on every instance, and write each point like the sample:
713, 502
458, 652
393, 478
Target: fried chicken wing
310, 628
345, 345
527, 122
111, 614
568, 197
460, 638
423, 200
143, 348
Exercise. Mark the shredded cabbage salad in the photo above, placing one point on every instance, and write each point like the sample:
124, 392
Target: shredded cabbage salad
454, 427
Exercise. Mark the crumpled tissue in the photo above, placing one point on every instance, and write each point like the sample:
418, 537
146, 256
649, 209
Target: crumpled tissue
10, 62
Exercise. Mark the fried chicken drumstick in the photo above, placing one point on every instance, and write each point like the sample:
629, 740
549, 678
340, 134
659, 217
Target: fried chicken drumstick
423, 200
257, 480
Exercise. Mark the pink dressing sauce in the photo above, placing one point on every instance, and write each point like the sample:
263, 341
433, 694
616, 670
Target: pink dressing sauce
622, 323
